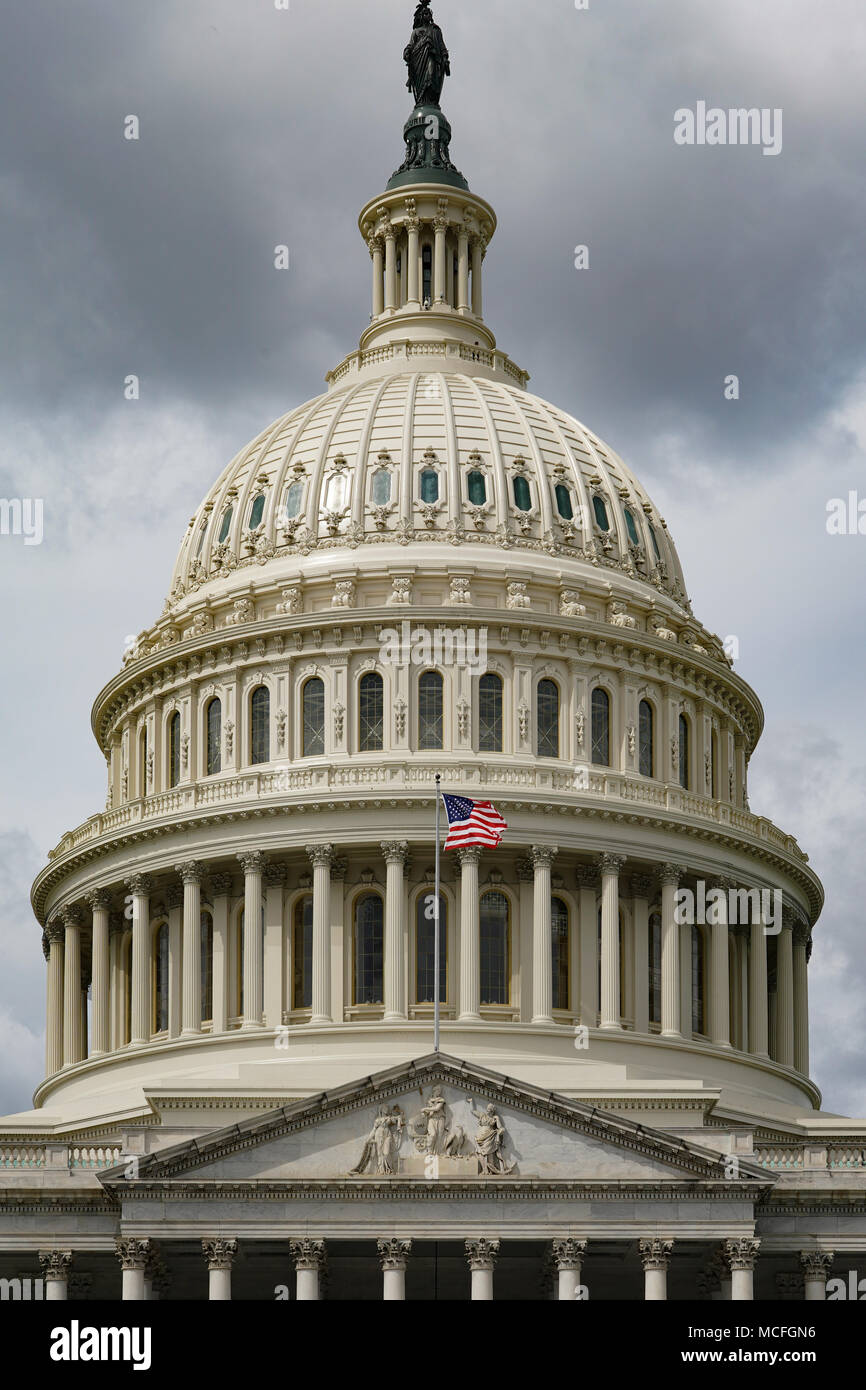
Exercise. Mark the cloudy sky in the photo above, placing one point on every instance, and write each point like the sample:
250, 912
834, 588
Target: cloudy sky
262, 126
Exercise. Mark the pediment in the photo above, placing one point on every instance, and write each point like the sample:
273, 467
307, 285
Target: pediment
436, 1118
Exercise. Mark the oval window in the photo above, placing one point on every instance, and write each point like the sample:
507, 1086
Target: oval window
258, 511
429, 485
477, 489
563, 502
381, 487
224, 529
600, 513
631, 528
522, 495
293, 500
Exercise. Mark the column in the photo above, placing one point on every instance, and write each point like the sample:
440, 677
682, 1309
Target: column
320, 858
54, 938
463, 304
413, 293
219, 1254
73, 1037
610, 865
568, 1256
396, 853
377, 247
671, 1028
191, 874
542, 957
720, 984
785, 994
116, 931
656, 1257
174, 895
55, 1266
686, 1009
133, 1255
587, 881
470, 935
741, 1255
816, 1268
440, 227
394, 1256
641, 888
390, 268
99, 902
220, 887
309, 1258
275, 883
253, 864
758, 1008
479, 246
139, 886
482, 1255
801, 998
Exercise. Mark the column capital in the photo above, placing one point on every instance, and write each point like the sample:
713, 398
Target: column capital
320, 856
802, 933
670, 874
656, 1253
611, 863
55, 1264
72, 915
191, 871
482, 1254
55, 930
568, 1253
525, 870
543, 856
742, 1252
586, 875
395, 851
308, 1254
139, 885
220, 885
276, 875
641, 886
219, 1253
470, 855
393, 1254
817, 1263
98, 900
134, 1254
252, 861
339, 869
174, 896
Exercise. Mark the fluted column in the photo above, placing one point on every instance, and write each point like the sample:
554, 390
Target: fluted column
741, 1255
758, 1004
463, 270
390, 268
393, 1257
55, 934
116, 931
220, 888
816, 1269
275, 886
478, 249
377, 247
139, 886
542, 956
568, 1256
482, 1256
191, 874
720, 984
73, 1037
413, 292
56, 1266
470, 935
320, 857
440, 227
656, 1257
785, 994
253, 864
133, 1255
219, 1254
309, 1258
610, 865
396, 853
587, 881
174, 897
99, 902
801, 998
671, 1021
641, 888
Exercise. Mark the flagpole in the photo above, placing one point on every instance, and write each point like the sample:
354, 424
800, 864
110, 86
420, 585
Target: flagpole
436, 930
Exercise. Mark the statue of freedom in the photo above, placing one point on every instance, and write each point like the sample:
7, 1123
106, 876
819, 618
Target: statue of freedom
427, 59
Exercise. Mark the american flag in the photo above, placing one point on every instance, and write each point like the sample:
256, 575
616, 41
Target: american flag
472, 822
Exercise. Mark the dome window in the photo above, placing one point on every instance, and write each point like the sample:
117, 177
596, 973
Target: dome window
260, 725
600, 728
522, 495
258, 511
174, 750
214, 738
631, 528
430, 711
201, 535
646, 739
429, 485
490, 713
371, 713
336, 496
654, 540
313, 715
381, 487
601, 513
477, 488
563, 502
547, 719
294, 497
226, 526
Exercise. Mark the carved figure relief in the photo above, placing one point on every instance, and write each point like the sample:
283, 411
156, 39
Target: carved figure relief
382, 1144
489, 1141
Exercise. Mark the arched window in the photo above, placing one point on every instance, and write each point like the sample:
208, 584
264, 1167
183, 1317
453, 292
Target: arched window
214, 737
429, 485
699, 981
174, 750
601, 516
646, 739
313, 713
302, 953
294, 497
160, 979
714, 765
655, 968
369, 944
522, 494
206, 967
684, 752
226, 526
547, 719
257, 511
425, 949
560, 949
260, 725
477, 488
381, 487
371, 713
495, 965
490, 713
600, 727
430, 717
563, 502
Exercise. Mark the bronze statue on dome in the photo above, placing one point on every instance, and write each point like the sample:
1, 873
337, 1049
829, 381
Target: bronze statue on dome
427, 59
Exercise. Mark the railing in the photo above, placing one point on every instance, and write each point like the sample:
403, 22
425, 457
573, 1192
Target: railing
27, 1157
780, 1158
95, 1158
22, 1156
816, 1157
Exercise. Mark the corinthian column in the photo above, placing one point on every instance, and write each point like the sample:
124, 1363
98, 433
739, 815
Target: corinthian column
393, 1257
100, 904
610, 865
741, 1256
785, 994
816, 1267
413, 297
396, 853
139, 886
253, 864
470, 935
542, 957
641, 888
73, 1036
192, 874
478, 249
671, 1023
568, 1255
720, 984
309, 1258
376, 246
758, 1013
55, 1265
54, 933
801, 998
134, 1256
219, 1255
440, 227
587, 881
656, 1257
320, 858
463, 270
482, 1255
